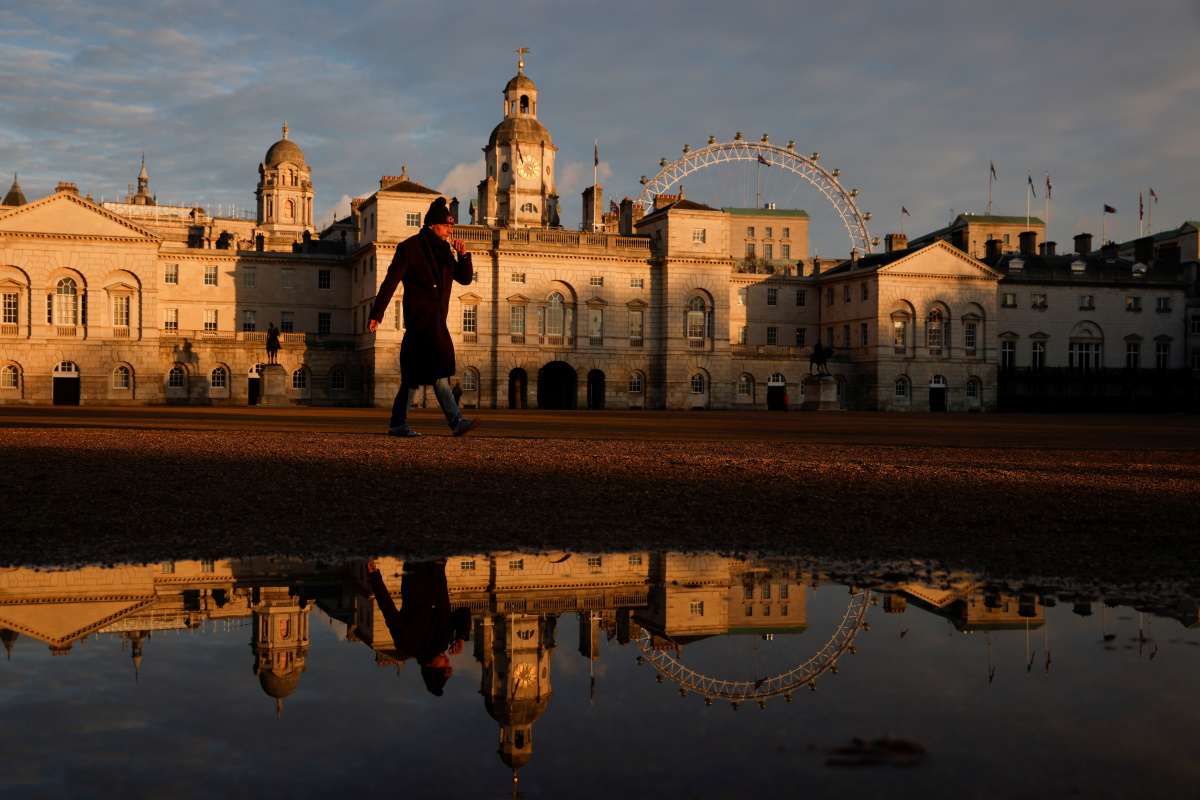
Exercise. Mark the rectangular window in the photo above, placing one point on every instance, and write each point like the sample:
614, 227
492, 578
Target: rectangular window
1133, 304
287, 321
741, 334
783, 591
324, 279
862, 334
1008, 355
1162, 355
516, 320
846, 294
747, 592
772, 335
517, 277
1084, 355
865, 293
168, 568
636, 321
594, 562
1038, 301
210, 275
1195, 326
635, 560
845, 336
766, 612
749, 611
829, 336
749, 249
699, 235
171, 319
801, 336
696, 609
208, 566
801, 298
596, 280
469, 318
1162, 304
1133, 355
785, 252
741, 295
249, 277
210, 319
637, 283
769, 232
398, 316
467, 565
11, 306
783, 611
1087, 301
324, 321
413, 219
596, 326
772, 297
829, 296
1008, 300
900, 334
1037, 356
765, 592
516, 564
750, 232
249, 320
171, 274
287, 278
1195, 359
768, 251
121, 312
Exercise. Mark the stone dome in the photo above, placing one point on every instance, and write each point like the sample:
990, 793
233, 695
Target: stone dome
523, 129
520, 82
284, 150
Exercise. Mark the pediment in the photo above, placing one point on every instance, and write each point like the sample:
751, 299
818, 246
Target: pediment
518, 299
639, 304
64, 214
940, 260
470, 297
121, 286
596, 302
62, 623
10, 284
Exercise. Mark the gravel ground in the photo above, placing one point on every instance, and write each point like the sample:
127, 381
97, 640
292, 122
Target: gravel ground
76, 495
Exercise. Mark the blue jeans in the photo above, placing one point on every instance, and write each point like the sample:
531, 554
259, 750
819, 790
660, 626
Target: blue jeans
406, 395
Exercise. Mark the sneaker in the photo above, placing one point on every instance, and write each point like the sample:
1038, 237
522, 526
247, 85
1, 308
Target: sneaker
402, 430
464, 426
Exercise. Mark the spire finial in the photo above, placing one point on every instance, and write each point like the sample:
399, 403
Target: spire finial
285, 130
520, 51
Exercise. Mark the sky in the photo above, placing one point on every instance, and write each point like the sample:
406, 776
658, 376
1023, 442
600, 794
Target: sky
911, 101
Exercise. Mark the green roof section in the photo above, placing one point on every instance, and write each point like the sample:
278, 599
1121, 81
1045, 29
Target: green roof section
792, 213
999, 220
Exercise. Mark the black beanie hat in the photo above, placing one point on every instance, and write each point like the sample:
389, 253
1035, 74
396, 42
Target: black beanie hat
438, 213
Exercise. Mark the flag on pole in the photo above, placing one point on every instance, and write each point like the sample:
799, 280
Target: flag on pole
613, 207
1153, 194
905, 211
1029, 177
762, 160
1141, 208
597, 144
1109, 209
993, 166
1047, 185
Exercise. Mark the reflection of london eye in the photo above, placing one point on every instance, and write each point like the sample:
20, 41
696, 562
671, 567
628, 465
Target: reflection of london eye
749, 174
758, 687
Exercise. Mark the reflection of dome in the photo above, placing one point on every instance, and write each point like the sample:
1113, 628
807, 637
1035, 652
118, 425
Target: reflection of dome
516, 713
284, 150
525, 129
279, 686
516, 761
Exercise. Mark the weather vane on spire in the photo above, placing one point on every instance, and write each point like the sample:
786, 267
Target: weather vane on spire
520, 51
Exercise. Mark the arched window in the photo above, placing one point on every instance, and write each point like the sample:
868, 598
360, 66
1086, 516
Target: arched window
289, 209
698, 383
122, 378
934, 329
901, 388
695, 318
524, 104
745, 386
554, 315
778, 378
470, 381
175, 378
219, 379
635, 383
337, 380
973, 389
10, 377
300, 379
66, 303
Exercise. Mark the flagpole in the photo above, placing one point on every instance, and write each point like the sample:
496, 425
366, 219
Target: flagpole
1141, 216
991, 177
1028, 192
1046, 236
758, 183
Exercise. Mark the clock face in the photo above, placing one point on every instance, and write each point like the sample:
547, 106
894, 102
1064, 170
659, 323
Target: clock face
527, 167
523, 674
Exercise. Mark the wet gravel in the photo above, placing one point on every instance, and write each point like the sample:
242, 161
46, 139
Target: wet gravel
104, 496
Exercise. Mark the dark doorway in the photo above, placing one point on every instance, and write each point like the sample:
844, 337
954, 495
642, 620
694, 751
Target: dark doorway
595, 390
66, 390
254, 389
775, 395
937, 398
518, 389
556, 387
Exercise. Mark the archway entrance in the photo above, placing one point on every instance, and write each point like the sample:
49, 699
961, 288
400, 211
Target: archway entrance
776, 393
254, 381
556, 387
66, 384
595, 390
518, 389
937, 393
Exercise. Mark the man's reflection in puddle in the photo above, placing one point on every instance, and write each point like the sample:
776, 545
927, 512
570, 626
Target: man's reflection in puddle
424, 627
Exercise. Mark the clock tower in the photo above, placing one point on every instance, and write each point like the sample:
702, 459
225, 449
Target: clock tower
518, 191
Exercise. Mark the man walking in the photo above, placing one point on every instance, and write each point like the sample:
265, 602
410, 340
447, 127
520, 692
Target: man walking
426, 264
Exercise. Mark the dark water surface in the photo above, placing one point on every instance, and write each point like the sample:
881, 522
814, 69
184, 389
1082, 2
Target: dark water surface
594, 675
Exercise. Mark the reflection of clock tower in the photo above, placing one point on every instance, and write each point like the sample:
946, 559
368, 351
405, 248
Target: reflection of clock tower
519, 188
280, 641
516, 680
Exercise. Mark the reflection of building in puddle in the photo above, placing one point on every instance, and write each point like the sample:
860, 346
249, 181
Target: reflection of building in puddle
970, 606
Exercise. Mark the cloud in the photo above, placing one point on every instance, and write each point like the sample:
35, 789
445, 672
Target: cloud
462, 182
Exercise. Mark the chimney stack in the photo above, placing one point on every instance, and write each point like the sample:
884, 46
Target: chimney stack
1028, 241
896, 241
958, 238
1083, 244
1047, 248
992, 248
1109, 251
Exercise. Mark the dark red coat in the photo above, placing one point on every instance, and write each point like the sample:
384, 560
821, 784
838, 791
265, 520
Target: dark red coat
426, 266
424, 625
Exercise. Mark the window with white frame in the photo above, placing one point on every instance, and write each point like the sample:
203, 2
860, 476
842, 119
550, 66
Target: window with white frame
122, 378
635, 383
749, 249
801, 337
595, 562
637, 283
1037, 355
516, 320
741, 334
219, 378
695, 318
10, 377
120, 304
901, 390
699, 235
210, 275
470, 316
768, 251
772, 335
637, 318
741, 296
596, 326
635, 559
1008, 300
467, 565
1133, 355
412, 219
470, 381
555, 315
973, 389
516, 564
287, 278
596, 280
698, 383
287, 321
300, 378
1162, 304
175, 378
324, 279
1084, 355
171, 274
1008, 355
768, 232
1038, 300
772, 297
324, 321
1133, 303
517, 277
249, 320
750, 232
801, 298
696, 609
970, 335
1087, 302
171, 319
11, 309
249, 277
744, 386
845, 294
337, 380
66, 302
210, 319
862, 334
933, 329
785, 252
1162, 355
